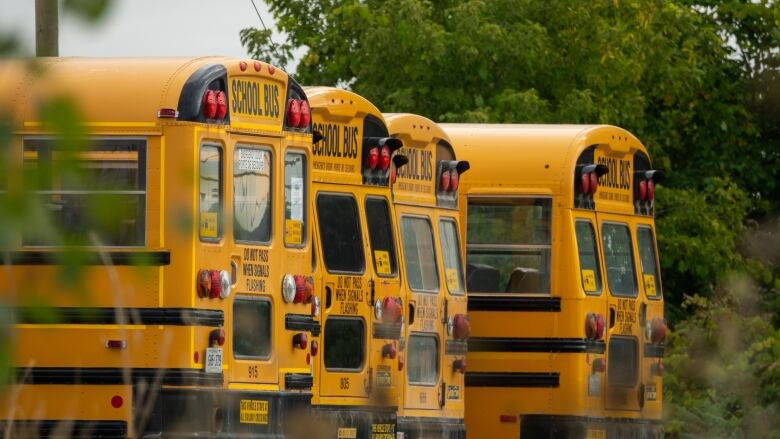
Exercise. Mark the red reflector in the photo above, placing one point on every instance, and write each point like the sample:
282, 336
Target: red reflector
293, 112
300, 340
373, 158
209, 104
165, 113
305, 115
643, 189
242, 66
384, 159
650, 190
116, 344
216, 284
594, 182
271, 69
258, 66
315, 348
508, 418
585, 183
444, 181
196, 356
454, 180
389, 351
221, 104
308, 358
117, 401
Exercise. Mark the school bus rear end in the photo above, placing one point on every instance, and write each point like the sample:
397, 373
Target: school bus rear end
357, 373
554, 351
425, 197
170, 329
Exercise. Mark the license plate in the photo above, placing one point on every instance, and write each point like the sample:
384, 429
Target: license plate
213, 360
594, 433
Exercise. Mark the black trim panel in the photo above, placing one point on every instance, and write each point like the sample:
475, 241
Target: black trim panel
654, 350
514, 303
298, 381
90, 257
302, 322
113, 316
563, 345
116, 376
72, 428
549, 426
387, 331
513, 379
456, 347
418, 426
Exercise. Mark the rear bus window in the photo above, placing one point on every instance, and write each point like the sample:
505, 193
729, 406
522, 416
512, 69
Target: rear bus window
380, 233
508, 245
344, 343
450, 254
93, 197
622, 367
651, 278
619, 259
590, 272
423, 360
210, 193
294, 199
251, 327
252, 195
339, 223
419, 256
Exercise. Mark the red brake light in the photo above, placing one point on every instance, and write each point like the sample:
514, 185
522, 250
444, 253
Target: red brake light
599, 326
117, 401
444, 184
300, 340
454, 180
591, 326
300, 289
643, 189
204, 283
384, 160
461, 327
585, 183
305, 114
216, 284
594, 182
315, 348
650, 190
459, 365
658, 330
217, 336
373, 157
391, 312
209, 104
221, 104
389, 351
293, 113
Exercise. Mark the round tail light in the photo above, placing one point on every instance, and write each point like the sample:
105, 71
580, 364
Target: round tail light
658, 330
373, 158
217, 337
594, 182
209, 104
293, 113
444, 181
599, 327
459, 365
221, 105
305, 114
216, 284
300, 289
591, 326
392, 310
585, 183
384, 159
288, 288
204, 283
389, 351
643, 189
454, 180
300, 340
461, 327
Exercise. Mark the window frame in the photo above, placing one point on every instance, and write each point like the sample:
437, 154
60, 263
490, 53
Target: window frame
448, 219
306, 189
220, 219
251, 298
589, 222
271, 191
143, 174
437, 355
511, 248
360, 232
659, 283
364, 348
435, 256
394, 273
631, 252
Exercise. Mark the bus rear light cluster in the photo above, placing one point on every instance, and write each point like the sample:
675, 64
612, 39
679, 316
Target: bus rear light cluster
450, 172
586, 184
658, 330
297, 288
459, 365
599, 365
217, 337
594, 326
300, 340
377, 159
644, 191
589, 183
390, 350
461, 327
389, 310
214, 104
298, 113
213, 284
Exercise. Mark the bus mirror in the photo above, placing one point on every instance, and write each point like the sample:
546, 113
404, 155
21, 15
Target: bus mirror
391, 142
656, 175
400, 160
316, 137
598, 169
462, 166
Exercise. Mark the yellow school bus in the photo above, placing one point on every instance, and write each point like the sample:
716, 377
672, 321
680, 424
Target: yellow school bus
194, 307
356, 267
425, 189
564, 291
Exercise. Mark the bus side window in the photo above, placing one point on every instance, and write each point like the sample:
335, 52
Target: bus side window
380, 233
419, 254
590, 271
651, 278
508, 245
294, 199
450, 254
210, 193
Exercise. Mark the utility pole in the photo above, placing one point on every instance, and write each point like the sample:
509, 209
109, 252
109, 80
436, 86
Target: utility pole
46, 28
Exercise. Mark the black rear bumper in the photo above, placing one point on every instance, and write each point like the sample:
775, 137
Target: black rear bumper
355, 422
577, 427
432, 428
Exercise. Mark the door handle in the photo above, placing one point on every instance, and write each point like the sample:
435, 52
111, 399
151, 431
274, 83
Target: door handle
611, 317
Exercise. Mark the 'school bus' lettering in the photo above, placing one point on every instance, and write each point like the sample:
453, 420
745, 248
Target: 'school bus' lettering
338, 140
615, 185
420, 166
256, 98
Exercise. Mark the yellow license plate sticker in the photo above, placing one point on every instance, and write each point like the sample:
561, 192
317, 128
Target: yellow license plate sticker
588, 280
254, 411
